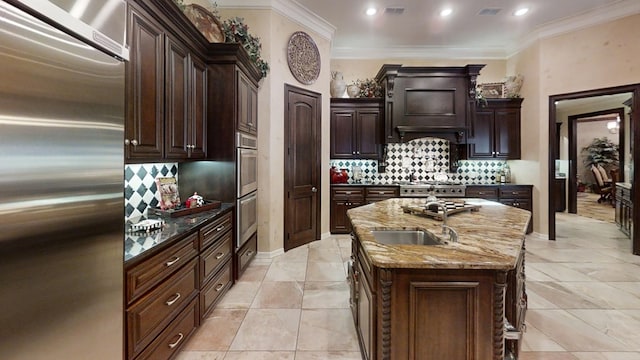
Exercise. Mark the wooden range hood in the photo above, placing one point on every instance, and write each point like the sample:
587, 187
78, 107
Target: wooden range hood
428, 101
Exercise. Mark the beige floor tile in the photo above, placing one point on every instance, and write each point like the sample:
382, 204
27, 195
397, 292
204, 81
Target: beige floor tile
328, 355
268, 329
533, 274
607, 355
240, 296
607, 296
534, 340
535, 301
329, 242
287, 271
254, 273
609, 271
573, 255
201, 355
217, 331
546, 356
326, 271
325, 295
326, 330
325, 254
613, 323
260, 355
561, 295
558, 271
298, 254
570, 332
279, 295
632, 288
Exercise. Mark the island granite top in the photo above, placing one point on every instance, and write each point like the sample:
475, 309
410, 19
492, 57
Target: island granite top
490, 238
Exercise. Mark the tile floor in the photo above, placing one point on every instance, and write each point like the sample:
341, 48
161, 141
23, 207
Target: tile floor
584, 302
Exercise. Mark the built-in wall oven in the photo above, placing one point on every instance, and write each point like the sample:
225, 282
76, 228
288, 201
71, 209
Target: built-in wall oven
247, 180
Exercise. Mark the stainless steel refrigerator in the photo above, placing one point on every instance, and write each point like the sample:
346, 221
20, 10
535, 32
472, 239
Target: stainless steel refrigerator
61, 179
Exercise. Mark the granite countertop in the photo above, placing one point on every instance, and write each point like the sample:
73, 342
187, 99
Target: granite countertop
136, 244
490, 238
405, 182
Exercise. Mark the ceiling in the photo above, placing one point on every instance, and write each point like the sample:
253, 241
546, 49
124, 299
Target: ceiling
419, 31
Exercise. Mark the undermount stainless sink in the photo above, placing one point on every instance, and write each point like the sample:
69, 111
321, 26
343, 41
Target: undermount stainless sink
406, 237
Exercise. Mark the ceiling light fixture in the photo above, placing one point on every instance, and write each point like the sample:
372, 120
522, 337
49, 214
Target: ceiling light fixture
521, 11
446, 12
371, 11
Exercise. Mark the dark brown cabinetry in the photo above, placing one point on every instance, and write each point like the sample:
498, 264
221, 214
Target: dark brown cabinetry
356, 126
166, 88
516, 305
520, 196
144, 123
494, 131
427, 313
344, 198
560, 192
247, 105
624, 208
168, 292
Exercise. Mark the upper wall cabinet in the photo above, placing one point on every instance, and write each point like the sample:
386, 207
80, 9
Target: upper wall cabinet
247, 104
356, 125
427, 101
494, 131
166, 89
144, 126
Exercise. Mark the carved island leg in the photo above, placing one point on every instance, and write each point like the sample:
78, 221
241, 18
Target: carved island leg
385, 318
498, 315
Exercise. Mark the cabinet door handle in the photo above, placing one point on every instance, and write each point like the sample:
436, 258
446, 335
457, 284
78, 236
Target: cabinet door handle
180, 337
314, 189
358, 152
219, 287
353, 153
220, 228
173, 300
173, 261
126, 141
219, 256
134, 142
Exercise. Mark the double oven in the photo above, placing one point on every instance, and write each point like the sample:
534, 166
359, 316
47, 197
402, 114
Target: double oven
247, 180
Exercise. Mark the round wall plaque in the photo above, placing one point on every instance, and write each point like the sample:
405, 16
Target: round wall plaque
303, 58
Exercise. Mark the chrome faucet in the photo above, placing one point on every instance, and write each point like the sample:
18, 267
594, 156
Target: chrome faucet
447, 231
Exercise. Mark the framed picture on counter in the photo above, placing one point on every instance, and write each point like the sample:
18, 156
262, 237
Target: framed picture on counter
492, 90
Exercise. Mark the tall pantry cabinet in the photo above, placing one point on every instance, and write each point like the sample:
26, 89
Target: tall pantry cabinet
232, 139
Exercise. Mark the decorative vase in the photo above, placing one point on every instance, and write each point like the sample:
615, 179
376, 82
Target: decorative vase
337, 84
353, 91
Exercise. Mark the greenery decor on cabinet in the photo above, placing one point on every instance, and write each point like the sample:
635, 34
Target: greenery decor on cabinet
602, 152
235, 30
368, 88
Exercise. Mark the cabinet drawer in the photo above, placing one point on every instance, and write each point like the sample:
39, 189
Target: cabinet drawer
515, 193
212, 232
347, 193
152, 271
246, 253
381, 192
214, 290
212, 259
147, 318
482, 192
173, 338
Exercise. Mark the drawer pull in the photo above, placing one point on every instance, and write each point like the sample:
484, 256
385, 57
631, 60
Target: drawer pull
219, 287
219, 256
172, 301
480, 192
180, 337
173, 261
514, 193
249, 253
348, 192
220, 228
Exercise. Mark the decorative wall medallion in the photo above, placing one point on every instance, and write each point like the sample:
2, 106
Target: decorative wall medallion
303, 58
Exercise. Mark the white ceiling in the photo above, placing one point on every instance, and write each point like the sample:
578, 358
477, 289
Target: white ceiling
421, 32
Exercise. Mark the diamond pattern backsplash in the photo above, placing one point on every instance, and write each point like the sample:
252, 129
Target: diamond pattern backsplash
140, 190
424, 158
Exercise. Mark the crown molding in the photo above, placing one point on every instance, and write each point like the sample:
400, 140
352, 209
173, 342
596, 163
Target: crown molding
412, 52
290, 9
587, 19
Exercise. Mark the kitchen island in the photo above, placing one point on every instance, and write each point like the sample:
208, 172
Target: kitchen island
446, 301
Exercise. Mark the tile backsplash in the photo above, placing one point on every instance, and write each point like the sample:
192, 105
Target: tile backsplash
424, 158
140, 189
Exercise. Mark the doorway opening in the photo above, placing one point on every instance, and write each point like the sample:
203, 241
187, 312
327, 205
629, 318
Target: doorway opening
624, 97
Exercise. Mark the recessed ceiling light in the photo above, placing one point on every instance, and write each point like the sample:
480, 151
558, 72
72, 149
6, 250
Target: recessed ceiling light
371, 11
446, 12
521, 12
